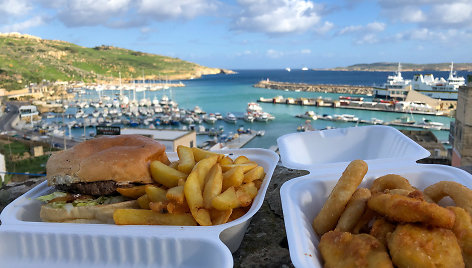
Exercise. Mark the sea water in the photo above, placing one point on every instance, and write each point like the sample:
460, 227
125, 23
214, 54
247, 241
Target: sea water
231, 93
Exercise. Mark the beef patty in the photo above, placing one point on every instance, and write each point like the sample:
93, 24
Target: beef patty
90, 188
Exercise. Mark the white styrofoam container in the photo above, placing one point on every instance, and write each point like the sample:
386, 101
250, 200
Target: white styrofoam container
28, 242
329, 148
303, 197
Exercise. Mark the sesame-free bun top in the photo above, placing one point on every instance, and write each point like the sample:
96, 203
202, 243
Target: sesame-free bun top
123, 159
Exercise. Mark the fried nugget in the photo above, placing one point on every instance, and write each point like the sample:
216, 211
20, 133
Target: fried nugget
417, 246
405, 209
463, 231
343, 249
380, 229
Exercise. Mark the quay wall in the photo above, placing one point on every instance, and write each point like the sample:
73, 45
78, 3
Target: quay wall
341, 89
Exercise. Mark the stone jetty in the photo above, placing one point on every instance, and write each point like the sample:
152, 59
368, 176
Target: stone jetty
341, 89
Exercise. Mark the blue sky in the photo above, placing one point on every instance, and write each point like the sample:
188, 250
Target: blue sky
255, 34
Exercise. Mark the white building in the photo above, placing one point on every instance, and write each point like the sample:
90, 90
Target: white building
170, 138
28, 111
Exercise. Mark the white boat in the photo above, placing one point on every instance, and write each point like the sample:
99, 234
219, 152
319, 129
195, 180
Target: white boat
428, 124
164, 100
198, 110
188, 120
288, 69
308, 115
260, 133
395, 87
438, 88
218, 116
253, 107
230, 118
248, 117
210, 118
305, 69
262, 117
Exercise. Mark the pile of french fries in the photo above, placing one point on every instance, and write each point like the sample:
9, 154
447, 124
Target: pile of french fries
201, 188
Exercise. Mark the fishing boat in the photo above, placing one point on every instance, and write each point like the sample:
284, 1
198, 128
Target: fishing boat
308, 115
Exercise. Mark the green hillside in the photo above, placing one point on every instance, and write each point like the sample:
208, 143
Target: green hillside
25, 59
393, 66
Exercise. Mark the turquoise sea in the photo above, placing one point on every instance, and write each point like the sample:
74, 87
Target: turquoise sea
231, 93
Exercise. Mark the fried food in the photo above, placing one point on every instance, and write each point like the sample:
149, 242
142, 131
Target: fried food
342, 249
354, 210
381, 228
416, 246
390, 181
461, 195
410, 210
463, 231
333, 208
363, 224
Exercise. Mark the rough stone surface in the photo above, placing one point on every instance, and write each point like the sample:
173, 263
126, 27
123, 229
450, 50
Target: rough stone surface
265, 242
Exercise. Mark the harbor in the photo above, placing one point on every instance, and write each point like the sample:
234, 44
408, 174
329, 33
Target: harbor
325, 88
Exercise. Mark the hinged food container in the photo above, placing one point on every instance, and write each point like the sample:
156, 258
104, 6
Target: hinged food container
25, 241
325, 154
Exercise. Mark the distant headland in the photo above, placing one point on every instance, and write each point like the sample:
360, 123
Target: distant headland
407, 67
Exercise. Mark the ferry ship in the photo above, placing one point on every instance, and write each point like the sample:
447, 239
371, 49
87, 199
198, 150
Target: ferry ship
439, 88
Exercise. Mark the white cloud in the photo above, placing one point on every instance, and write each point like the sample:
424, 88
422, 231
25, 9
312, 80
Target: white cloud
323, 29
451, 14
305, 51
369, 28
277, 16
91, 12
176, 9
25, 25
14, 7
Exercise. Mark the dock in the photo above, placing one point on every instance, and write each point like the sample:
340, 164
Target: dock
354, 104
239, 141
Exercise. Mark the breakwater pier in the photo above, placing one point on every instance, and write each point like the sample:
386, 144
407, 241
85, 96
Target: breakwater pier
341, 89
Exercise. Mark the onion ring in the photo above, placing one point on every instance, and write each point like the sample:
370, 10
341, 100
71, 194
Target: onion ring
354, 210
463, 231
390, 181
461, 195
409, 210
333, 207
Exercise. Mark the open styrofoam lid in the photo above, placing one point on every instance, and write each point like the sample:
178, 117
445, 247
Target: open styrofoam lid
315, 149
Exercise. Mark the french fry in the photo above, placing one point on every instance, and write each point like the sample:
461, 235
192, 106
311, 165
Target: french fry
176, 194
200, 154
226, 200
213, 185
149, 217
220, 216
143, 201
186, 159
238, 213
246, 194
258, 183
203, 217
193, 188
226, 161
132, 192
160, 207
155, 194
166, 175
233, 177
175, 208
174, 164
246, 166
241, 160
256, 173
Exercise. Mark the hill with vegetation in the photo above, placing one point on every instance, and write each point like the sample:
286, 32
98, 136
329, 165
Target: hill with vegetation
393, 66
28, 59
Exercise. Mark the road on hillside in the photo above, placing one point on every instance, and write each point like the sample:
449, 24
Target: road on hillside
12, 112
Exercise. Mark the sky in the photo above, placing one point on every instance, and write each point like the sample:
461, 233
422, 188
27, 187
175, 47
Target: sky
257, 34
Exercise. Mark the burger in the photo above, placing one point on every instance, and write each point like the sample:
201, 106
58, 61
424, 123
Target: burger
86, 177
